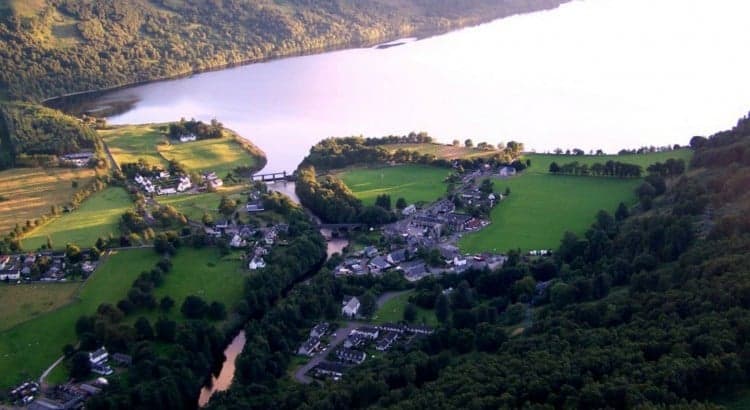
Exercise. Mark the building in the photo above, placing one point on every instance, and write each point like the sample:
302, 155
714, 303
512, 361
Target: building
255, 206
319, 330
367, 332
415, 271
99, 356
350, 355
350, 307
396, 257
370, 251
409, 210
188, 138
419, 329
308, 348
256, 263
507, 171
392, 328
354, 341
385, 342
378, 264
237, 242
331, 369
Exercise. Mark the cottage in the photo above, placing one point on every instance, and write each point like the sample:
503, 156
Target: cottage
308, 348
368, 332
335, 370
507, 171
319, 330
409, 210
354, 341
99, 356
396, 257
415, 271
349, 355
448, 252
350, 307
379, 264
188, 138
256, 263
385, 342
370, 251
237, 242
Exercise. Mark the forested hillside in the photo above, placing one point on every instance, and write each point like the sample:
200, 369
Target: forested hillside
651, 307
54, 47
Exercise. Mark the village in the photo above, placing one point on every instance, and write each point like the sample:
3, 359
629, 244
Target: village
45, 266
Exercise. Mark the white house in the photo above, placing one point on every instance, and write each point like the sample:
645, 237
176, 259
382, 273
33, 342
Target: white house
459, 261
188, 138
99, 356
184, 184
409, 210
237, 242
257, 263
351, 307
507, 171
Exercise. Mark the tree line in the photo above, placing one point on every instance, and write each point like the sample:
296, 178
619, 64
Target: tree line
610, 168
200, 129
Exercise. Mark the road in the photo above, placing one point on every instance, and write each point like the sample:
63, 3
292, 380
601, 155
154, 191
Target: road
49, 370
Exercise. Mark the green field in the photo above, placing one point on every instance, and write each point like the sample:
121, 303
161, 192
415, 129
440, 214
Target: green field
415, 183
204, 273
25, 302
29, 348
442, 150
150, 143
98, 216
194, 206
541, 162
542, 207
393, 312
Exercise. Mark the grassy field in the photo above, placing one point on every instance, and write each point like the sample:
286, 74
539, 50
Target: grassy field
442, 150
29, 348
194, 206
393, 312
540, 162
98, 216
542, 207
149, 142
415, 183
25, 302
133, 142
28, 193
204, 273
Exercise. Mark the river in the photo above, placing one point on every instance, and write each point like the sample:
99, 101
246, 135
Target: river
224, 379
591, 74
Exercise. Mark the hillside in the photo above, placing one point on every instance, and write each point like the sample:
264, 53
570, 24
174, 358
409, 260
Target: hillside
50, 48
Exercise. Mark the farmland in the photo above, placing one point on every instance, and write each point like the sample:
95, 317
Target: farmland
442, 150
25, 350
98, 216
415, 183
194, 206
29, 193
540, 162
150, 143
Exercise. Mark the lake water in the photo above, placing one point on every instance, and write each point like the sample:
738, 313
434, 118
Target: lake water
592, 74
224, 379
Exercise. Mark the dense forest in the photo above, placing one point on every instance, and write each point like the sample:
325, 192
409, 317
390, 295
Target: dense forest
650, 307
54, 47
31, 133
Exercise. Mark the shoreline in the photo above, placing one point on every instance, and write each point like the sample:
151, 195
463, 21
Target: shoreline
58, 102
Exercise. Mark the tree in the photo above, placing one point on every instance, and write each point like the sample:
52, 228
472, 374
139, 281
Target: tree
501, 145
217, 311
622, 212
442, 308
73, 253
383, 201
227, 206
562, 294
166, 304
410, 312
468, 143
207, 219
368, 304
487, 186
166, 330
80, 367
456, 143
143, 329
554, 168
193, 307
401, 203
698, 142
68, 350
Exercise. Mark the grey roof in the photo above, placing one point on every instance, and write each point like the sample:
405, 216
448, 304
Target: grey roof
380, 262
398, 256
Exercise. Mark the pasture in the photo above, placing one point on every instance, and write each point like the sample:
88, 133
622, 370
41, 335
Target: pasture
97, 216
194, 206
540, 162
25, 302
415, 183
150, 143
442, 150
30, 347
29, 193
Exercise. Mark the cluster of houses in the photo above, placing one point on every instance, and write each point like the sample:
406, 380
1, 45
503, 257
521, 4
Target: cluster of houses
313, 344
78, 159
69, 396
45, 267
210, 179
352, 353
164, 183
260, 240
99, 360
